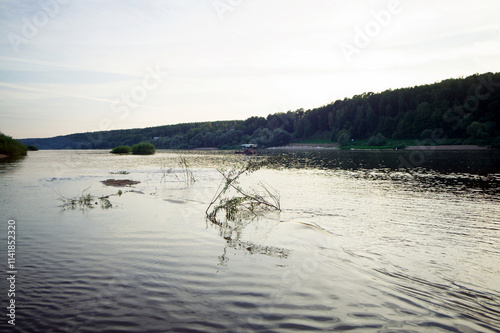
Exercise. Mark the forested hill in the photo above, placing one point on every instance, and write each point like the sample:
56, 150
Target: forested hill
454, 111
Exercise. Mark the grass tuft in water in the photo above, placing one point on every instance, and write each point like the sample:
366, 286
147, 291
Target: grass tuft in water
186, 174
123, 172
85, 201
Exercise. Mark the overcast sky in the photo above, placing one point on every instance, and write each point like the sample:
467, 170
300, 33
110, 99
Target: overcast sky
70, 66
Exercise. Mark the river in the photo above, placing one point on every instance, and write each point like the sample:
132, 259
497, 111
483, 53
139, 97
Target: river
366, 241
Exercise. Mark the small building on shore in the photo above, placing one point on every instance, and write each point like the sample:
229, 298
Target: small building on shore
248, 149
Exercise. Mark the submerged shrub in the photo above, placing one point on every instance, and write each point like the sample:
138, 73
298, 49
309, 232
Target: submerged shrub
121, 150
143, 148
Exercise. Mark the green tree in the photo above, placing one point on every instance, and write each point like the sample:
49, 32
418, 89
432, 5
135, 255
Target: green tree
262, 137
477, 130
344, 138
280, 137
377, 140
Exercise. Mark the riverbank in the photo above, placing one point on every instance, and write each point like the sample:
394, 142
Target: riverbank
448, 147
325, 146
432, 148
307, 146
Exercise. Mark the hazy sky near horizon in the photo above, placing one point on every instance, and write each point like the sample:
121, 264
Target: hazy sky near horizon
69, 66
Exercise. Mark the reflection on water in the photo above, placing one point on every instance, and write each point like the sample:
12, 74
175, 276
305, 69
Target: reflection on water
448, 171
473, 162
232, 233
9, 164
362, 244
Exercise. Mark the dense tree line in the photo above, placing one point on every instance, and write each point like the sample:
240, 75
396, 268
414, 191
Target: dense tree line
455, 111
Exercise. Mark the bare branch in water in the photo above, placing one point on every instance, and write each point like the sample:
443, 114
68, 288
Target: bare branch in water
243, 202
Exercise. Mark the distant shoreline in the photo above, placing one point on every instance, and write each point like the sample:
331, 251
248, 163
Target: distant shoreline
325, 146
307, 146
448, 147
334, 147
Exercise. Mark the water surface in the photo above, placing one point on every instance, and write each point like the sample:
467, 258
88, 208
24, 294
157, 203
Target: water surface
364, 242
